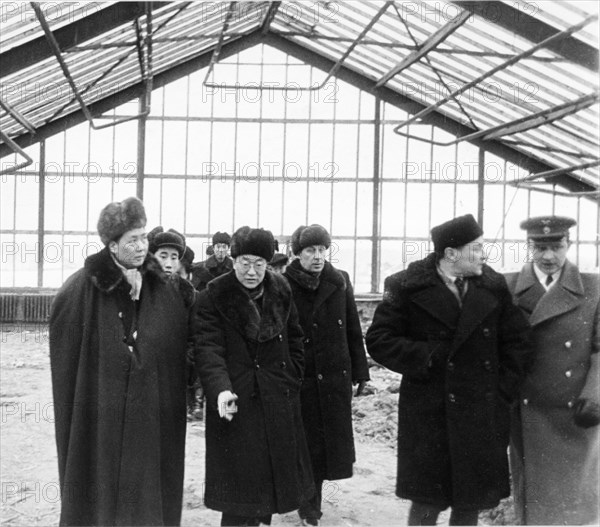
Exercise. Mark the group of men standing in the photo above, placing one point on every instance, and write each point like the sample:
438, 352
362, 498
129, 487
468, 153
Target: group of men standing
278, 354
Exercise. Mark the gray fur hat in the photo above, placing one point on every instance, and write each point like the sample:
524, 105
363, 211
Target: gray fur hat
119, 217
305, 236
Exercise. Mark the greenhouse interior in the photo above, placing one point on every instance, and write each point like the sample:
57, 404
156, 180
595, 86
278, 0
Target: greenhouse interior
375, 119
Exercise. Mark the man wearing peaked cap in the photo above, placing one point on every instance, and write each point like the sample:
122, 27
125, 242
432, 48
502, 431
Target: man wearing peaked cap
555, 436
118, 337
250, 360
217, 264
448, 325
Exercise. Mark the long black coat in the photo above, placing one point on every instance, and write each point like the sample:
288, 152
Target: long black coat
119, 397
256, 464
335, 357
460, 368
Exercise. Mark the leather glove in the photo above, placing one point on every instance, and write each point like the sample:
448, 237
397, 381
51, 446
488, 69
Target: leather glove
226, 404
587, 413
360, 386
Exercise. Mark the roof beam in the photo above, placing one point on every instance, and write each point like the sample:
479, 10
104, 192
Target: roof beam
132, 92
431, 43
73, 34
439, 120
534, 30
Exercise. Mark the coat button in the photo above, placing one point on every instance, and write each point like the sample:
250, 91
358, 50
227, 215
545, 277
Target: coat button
450, 366
125, 338
283, 365
315, 325
568, 344
525, 402
307, 340
257, 365
486, 332
570, 404
280, 338
487, 365
568, 373
344, 372
320, 377
451, 398
340, 322
120, 314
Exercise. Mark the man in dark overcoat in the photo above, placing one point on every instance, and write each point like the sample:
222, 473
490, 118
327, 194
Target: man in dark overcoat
555, 435
448, 325
250, 361
216, 264
335, 358
118, 337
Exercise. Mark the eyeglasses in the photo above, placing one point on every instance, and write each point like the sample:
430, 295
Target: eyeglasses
259, 264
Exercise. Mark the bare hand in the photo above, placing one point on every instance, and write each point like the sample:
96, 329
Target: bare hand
226, 404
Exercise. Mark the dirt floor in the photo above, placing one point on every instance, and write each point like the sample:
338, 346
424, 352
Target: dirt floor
28, 468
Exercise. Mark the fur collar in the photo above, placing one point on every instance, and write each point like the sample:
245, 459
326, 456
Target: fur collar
235, 305
329, 274
212, 263
423, 273
106, 276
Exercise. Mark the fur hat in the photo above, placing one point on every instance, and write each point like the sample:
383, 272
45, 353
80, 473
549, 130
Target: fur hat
257, 242
158, 238
221, 237
455, 233
305, 236
119, 217
188, 255
278, 260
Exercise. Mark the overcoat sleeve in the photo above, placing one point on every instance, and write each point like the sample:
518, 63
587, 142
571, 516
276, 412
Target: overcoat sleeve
358, 357
66, 333
211, 361
515, 350
591, 389
388, 339
295, 340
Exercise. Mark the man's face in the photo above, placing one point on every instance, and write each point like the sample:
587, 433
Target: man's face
169, 259
312, 258
468, 259
131, 248
550, 255
250, 270
220, 251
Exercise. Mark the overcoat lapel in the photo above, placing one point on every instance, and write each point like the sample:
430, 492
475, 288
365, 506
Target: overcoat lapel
565, 296
528, 290
439, 302
478, 303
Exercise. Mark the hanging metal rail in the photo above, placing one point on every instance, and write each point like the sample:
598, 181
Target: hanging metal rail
331, 73
554, 38
145, 66
17, 150
522, 124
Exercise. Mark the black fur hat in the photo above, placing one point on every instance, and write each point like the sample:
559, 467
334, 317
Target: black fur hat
221, 237
305, 236
257, 242
119, 217
158, 238
455, 233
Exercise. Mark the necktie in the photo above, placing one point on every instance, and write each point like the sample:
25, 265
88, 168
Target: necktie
460, 285
549, 279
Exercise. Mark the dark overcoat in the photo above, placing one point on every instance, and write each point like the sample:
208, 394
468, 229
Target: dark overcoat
208, 270
257, 464
118, 379
554, 462
335, 357
460, 368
